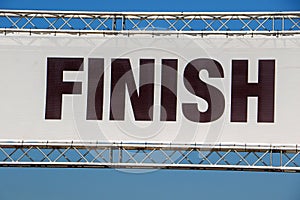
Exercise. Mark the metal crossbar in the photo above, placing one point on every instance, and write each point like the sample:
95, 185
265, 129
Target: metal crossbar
150, 156
154, 22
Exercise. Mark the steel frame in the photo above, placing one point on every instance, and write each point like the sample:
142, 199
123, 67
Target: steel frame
72, 154
75, 22
273, 158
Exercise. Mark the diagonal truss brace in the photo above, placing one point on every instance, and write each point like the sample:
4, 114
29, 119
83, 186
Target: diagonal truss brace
278, 158
147, 22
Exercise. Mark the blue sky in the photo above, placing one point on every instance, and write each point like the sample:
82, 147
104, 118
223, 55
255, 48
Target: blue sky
154, 5
78, 184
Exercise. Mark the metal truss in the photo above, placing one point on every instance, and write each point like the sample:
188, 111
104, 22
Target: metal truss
274, 158
75, 22
150, 156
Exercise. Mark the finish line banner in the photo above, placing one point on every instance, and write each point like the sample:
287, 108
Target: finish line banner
165, 89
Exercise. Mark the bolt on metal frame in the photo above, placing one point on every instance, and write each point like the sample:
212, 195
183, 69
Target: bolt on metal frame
272, 158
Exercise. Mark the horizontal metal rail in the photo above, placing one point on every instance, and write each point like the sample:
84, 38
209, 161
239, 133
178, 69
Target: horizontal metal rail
144, 22
70, 154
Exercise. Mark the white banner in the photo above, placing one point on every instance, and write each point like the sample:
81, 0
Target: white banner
171, 89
